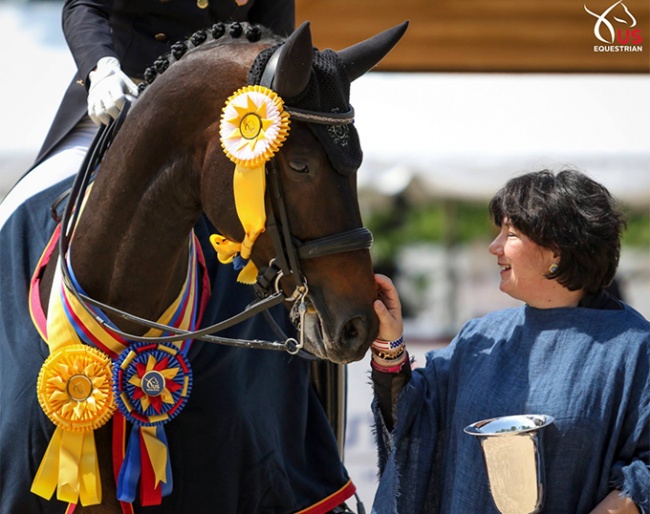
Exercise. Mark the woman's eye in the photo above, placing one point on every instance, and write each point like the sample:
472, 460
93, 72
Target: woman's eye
299, 167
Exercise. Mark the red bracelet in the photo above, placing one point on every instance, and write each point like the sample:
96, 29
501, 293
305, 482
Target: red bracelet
392, 369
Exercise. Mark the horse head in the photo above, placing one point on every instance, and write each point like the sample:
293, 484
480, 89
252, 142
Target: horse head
170, 162
313, 178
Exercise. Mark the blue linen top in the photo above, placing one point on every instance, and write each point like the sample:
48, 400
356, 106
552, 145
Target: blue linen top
588, 368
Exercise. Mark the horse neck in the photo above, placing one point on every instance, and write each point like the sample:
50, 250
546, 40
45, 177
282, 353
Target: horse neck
130, 247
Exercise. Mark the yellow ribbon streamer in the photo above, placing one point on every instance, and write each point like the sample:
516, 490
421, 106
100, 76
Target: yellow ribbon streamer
90, 489
226, 252
254, 125
249, 185
70, 466
46, 477
157, 452
225, 248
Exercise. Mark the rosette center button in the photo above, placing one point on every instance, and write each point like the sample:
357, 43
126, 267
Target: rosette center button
250, 126
153, 383
79, 387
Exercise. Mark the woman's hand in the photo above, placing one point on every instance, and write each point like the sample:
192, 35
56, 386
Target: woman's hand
614, 503
388, 309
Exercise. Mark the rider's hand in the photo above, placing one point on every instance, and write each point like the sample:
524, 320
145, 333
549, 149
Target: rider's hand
108, 88
388, 309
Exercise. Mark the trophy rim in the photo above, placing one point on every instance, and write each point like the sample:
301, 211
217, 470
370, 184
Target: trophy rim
538, 420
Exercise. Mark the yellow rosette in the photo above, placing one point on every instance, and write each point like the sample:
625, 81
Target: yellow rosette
75, 391
253, 127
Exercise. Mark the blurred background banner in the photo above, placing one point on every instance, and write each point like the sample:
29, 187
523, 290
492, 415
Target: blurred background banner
493, 35
476, 92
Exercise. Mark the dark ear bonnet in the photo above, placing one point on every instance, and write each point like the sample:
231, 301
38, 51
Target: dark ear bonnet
324, 104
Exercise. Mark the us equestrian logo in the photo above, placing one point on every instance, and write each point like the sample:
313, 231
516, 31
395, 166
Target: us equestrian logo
615, 28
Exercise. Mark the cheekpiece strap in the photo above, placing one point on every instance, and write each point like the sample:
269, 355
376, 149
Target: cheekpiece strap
269, 71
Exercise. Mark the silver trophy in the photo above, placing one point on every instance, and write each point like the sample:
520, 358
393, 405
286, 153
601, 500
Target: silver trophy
512, 453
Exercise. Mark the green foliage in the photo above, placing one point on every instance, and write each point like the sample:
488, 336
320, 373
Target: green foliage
638, 229
453, 222
440, 221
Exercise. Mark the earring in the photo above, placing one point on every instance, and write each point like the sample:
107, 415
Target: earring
553, 268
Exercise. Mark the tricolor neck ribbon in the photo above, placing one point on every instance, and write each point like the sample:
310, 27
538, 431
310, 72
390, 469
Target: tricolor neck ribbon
254, 125
78, 391
152, 382
182, 313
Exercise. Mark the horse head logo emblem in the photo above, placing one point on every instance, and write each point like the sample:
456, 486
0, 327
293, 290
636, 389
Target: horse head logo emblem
604, 25
153, 383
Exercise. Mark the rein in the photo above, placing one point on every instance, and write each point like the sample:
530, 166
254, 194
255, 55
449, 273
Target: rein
288, 252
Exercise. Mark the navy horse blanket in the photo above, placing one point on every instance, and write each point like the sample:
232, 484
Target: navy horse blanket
253, 436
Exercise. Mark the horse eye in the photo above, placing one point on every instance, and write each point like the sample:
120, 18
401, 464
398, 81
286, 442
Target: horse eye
299, 167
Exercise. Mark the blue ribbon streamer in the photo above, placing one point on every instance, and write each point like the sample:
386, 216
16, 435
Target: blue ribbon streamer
239, 262
129, 477
127, 482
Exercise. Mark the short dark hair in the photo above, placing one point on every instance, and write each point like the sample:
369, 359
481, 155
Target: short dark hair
572, 215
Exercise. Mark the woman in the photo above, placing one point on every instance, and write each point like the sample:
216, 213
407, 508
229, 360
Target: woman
571, 351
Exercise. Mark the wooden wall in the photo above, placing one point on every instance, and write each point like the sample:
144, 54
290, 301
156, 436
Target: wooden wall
484, 35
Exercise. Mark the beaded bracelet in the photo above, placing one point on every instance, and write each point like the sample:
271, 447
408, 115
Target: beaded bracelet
388, 356
388, 345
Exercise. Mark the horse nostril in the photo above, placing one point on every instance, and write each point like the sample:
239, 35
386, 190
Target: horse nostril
350, 330
354, 332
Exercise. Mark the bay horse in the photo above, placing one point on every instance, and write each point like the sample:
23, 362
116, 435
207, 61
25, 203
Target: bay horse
253, 437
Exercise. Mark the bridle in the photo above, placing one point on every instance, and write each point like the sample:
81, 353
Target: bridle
288, 250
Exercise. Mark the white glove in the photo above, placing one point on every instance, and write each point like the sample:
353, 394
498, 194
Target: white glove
108, 88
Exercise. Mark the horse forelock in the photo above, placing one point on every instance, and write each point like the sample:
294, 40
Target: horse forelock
219, 34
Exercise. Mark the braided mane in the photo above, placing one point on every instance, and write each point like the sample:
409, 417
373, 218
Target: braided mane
219, 34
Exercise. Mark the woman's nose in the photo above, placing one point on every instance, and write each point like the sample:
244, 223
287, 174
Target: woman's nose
495, 247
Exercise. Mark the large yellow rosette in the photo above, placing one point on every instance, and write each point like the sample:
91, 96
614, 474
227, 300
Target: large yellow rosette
74, 390
253, 127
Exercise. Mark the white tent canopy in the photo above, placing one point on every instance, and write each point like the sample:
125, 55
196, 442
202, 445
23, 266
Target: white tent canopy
464, 135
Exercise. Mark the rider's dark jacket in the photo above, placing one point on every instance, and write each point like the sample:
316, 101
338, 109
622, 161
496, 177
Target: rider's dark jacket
137, 32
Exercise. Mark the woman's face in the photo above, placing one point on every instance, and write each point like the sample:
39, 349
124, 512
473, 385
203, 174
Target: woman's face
523, 265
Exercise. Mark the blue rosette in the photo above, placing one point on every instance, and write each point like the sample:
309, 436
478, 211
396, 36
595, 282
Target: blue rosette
152, 383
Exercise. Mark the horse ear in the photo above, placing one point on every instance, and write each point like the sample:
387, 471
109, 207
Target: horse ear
294, 63
362, 57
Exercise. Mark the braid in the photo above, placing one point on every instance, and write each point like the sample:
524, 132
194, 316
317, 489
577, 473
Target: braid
235, 30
